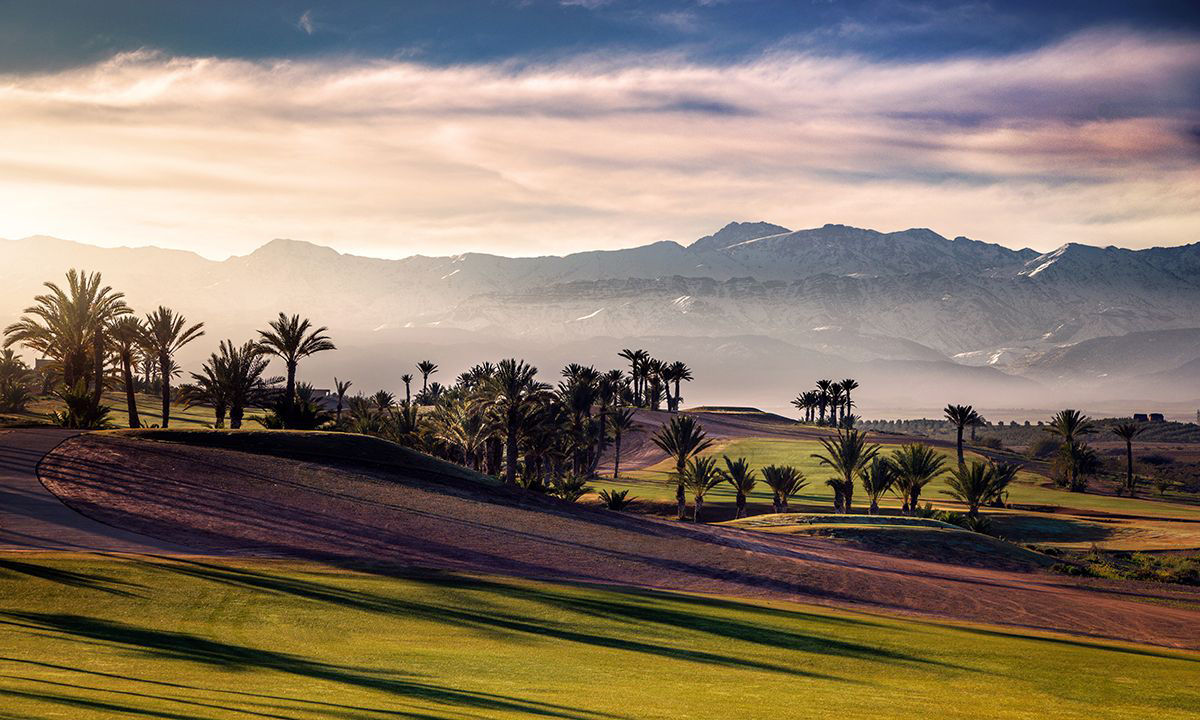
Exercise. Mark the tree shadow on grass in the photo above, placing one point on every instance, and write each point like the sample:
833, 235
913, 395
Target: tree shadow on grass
172, 645
69, 577
642, 607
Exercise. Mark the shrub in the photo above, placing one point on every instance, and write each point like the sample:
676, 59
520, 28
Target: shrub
1155, 459
1043, 448
991, 441
570, 488
81, 412
14, 398
617, 499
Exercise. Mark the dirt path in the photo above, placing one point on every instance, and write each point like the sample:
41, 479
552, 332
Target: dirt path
250, 504
32, 518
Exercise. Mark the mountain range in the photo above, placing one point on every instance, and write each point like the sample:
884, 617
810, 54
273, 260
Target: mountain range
757, 309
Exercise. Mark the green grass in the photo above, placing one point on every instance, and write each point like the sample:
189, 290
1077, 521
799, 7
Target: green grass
149, 412
88, 637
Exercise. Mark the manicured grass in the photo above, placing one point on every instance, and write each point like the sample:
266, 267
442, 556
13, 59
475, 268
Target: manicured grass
100, 637
1143, 531
149, 412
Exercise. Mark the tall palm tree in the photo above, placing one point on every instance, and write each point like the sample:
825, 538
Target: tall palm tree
128, 336
699, 476
784, 481
679, 372
426, 368
847, 454
621, 422
340, 388
655, 390
407, 379
637, 366
1072, 426
877, 478
681, 439
977, 484
290, 339
460, 424
835, 403
960, 416
1127, 431
743, 479
167, 332
916, 466
69, 326
515, 390
244, 384
823, 387
848, 385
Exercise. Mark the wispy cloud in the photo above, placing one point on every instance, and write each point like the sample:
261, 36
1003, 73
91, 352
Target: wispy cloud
390, 157
305, 22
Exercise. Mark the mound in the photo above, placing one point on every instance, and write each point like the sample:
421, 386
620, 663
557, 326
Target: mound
413, 512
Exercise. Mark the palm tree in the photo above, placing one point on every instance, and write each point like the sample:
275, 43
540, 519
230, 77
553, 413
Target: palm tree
621, 421
877, 479
460, 424
976, 484
69, 327
682, 439
847, 454
679, 372
848, 385
128, 336
823, 387
290, 339
743, 480
1127, 431
515, 390
426, 368
916, 466
208, 387
835, 403
1071, 426
637, 366
407, 379
699, 476
340, 387
784, 481
167, 332
960, 416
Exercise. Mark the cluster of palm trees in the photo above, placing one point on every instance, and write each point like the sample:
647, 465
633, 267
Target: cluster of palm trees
828, 395
502, 420
94, 341
654, 381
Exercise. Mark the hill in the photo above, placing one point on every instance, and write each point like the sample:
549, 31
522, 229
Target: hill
407, 513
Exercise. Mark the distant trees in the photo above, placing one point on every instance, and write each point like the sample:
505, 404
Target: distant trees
916, 465
16, 380
681, 439
426, 368
784, 481
699, 476
1127, 431
743, 479
979, 483
877, 478
961, 416
847, 454
292, 338
1076, 461
828, 395
167, 332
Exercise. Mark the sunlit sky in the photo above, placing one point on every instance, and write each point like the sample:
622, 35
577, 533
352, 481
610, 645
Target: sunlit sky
526, 127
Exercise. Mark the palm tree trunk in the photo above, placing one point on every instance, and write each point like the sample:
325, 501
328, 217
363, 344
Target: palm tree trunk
98, 366
874, 509
235, 416
164, 365
291, 384
699, 506
510, 454
960, 444
681, 502
783, 504
219, 411
677, 398
1129, 466
130, 398
617, 455
741, 505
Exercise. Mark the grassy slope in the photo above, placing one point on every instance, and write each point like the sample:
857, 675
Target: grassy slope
1062, 529
149, 412
106, 637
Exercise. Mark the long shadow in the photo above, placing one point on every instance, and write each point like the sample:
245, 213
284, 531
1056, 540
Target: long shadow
193, 648
71, 578
94, 705
610, 608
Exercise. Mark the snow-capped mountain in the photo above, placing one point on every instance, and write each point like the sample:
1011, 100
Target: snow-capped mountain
837, 292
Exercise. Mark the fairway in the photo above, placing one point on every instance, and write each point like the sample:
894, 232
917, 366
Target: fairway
1141, 523
149, 413
96, 637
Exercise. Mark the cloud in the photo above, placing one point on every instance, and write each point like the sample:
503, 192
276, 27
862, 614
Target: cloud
305, 22
1089, 140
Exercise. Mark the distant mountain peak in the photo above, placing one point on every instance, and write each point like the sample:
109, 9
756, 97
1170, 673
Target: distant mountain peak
286, 247
737, 232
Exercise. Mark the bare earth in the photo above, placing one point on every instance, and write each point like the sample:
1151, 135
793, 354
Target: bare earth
219, 501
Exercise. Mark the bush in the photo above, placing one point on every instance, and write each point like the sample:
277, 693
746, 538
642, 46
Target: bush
81, 412
14, 398
1043, 448
991, 442
1155, 459
617, 499
1177, 569
570, 488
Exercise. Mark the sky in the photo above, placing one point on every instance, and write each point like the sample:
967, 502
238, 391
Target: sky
529, 127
